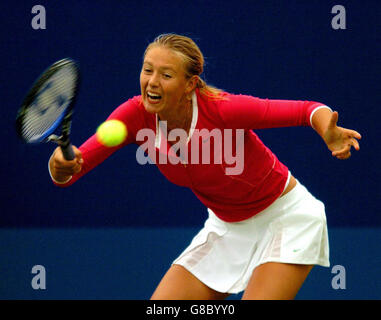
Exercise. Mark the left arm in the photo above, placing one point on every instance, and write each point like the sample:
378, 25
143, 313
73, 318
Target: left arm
339, 140
247, 112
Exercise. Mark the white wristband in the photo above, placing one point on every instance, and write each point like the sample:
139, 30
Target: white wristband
316, 109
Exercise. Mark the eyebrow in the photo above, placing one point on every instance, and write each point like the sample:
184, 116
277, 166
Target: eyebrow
165, 67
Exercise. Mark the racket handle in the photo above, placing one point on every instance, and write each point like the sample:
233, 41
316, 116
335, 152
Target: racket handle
67, 151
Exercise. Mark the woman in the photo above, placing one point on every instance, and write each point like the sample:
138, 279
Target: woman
264, 231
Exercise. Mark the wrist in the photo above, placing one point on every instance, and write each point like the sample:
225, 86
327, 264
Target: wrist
320, 118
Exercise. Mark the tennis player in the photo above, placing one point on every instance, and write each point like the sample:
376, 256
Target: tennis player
264, 231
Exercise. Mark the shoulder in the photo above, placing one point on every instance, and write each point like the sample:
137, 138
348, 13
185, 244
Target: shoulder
131, 106
226, 98
213, 102
134, 102
133, 114
227, 102
210, 107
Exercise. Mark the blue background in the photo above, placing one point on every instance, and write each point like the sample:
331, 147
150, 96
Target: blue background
269, 49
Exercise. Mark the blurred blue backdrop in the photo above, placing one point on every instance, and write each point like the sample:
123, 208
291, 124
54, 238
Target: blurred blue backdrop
122, 210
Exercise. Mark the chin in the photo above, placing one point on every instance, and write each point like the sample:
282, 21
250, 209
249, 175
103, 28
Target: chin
149, 108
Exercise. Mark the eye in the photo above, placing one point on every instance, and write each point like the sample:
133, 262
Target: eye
147, 70
167, 76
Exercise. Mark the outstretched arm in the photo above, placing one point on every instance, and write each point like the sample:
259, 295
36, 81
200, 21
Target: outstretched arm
91, 153
338, 140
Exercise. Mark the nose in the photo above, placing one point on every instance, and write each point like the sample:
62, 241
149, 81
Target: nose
154, 80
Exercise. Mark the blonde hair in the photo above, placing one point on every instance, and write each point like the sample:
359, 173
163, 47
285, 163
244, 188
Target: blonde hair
193, 60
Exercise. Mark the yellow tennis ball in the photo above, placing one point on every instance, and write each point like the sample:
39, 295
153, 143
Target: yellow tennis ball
111, 133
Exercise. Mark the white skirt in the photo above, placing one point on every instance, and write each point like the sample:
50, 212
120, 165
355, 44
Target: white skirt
293, 229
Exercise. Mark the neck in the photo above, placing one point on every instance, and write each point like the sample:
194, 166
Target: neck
181, 118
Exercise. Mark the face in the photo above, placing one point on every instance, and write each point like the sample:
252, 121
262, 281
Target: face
164, 86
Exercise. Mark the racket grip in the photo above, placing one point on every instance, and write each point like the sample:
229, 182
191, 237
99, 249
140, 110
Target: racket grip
67, 151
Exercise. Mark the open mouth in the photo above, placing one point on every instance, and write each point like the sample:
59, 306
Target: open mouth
153, 97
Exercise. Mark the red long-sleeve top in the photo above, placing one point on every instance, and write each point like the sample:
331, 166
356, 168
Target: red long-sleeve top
232, 197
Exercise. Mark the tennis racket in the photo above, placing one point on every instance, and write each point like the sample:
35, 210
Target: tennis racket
48, 107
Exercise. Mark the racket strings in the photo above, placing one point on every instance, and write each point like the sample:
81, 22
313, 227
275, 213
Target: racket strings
50, 104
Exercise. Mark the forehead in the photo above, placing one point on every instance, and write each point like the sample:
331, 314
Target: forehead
163, 57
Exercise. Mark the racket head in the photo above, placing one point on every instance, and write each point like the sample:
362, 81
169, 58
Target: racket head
49, 104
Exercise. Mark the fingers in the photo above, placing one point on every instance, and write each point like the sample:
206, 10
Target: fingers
347, 139
345, 157
355, 144
78, 155
354, 134
342, 154
345, 152
63, 167
352, 137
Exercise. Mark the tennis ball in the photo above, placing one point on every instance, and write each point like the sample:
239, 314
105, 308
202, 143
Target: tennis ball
111, 133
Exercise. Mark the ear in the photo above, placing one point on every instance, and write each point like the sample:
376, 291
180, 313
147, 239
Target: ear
191, 85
